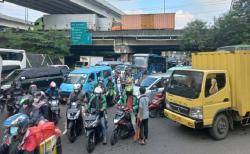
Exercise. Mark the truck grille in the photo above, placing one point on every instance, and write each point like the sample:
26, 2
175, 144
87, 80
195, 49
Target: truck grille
180, 109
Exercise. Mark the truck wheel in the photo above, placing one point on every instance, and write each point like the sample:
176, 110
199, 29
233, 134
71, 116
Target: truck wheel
220, 127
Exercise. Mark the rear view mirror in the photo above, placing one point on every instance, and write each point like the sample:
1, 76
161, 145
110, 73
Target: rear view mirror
23, 78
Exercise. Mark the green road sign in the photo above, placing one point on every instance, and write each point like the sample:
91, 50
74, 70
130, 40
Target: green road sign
79, 34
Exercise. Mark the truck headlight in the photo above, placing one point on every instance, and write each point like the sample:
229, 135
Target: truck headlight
168, 106
196, 113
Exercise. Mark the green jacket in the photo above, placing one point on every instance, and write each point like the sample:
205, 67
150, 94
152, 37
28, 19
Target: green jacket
124, 101
99, 105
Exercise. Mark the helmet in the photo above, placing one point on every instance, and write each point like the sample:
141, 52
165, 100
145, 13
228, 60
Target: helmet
52, 85
20, 125
98, 91
77, 88
129, 90
110, 79
16, 84
32, 89
27, 100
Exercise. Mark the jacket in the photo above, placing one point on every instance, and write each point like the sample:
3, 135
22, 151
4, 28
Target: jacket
124, 101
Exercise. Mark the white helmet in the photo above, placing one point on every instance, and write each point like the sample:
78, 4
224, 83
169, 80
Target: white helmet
98, 90
77, 87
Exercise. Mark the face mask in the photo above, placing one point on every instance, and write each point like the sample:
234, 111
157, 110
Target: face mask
25, 106
36, 100
13, 131
76, 91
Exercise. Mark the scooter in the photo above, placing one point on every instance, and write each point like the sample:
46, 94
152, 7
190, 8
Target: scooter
123, 125
93, 128
74, 121
54, 109
155, 106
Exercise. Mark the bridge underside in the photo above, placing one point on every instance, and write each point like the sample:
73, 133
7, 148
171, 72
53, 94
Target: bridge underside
103, 9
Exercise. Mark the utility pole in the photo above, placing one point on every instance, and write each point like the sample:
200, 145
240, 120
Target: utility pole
26, 18
164, 6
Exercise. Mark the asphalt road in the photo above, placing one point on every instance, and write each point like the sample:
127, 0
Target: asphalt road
165, 137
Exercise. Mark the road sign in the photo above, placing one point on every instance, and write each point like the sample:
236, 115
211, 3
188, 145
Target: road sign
79, 34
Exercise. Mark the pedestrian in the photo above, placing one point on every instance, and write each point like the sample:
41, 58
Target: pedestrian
143, 116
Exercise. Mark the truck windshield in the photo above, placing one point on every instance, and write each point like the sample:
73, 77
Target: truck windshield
147, 81
185, 84
76, 78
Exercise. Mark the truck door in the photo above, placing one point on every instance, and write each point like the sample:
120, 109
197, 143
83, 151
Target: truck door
217, 96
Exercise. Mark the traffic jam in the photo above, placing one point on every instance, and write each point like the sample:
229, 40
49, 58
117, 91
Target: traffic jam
202, 95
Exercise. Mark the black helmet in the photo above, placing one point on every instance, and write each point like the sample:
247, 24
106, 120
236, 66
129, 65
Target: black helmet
32, 89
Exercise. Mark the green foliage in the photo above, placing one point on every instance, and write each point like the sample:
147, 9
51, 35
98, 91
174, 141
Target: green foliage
230, 29
43, 42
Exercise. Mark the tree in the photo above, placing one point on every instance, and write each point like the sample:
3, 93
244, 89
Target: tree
195, 35
43, 42
230, 29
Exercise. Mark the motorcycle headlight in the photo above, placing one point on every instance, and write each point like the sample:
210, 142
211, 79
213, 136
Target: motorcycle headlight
196, 113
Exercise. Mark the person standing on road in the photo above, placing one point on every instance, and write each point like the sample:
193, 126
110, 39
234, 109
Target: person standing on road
143, 116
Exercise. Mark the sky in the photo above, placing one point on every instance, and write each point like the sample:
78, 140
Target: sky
186, 10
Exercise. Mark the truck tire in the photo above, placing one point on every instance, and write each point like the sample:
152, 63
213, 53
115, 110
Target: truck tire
220, 127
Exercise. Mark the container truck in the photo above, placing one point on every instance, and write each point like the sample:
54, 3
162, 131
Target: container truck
214, 94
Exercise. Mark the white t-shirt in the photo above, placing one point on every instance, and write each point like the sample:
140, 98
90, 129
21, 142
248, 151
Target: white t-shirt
143, 103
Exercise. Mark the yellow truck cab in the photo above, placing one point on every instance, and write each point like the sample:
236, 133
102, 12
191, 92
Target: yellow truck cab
214, 94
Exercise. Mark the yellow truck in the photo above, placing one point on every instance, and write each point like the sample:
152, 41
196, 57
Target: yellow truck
214, 94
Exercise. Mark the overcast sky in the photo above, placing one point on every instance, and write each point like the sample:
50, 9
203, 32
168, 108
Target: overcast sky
186, 10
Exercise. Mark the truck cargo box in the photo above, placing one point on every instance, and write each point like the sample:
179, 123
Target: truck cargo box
238, 66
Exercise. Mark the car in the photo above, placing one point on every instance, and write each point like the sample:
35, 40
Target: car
39, 76
87, 77
156, 82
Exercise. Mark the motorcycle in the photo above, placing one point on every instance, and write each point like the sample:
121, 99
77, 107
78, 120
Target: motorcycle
13, 105
110, 97
74, 118
2, 103
123, 125
11, 135
93, 129
54, 109
155, 106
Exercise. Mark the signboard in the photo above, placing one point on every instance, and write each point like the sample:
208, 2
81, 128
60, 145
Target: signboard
79, 34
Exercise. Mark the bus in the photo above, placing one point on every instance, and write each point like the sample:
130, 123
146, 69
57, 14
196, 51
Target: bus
151, 62
12, 59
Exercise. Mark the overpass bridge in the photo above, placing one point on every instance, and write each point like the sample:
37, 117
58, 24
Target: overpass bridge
12, 22
99, 7
129, 42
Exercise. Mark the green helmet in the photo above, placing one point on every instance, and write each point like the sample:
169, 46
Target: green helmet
129, 90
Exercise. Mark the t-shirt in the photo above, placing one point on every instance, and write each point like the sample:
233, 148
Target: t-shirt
143, 103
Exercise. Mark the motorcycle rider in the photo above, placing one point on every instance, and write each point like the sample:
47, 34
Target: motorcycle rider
32, 89
78, 96
110, 91
29, 109
15, 92
130, 101
53, 91
40, 101
98, 102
